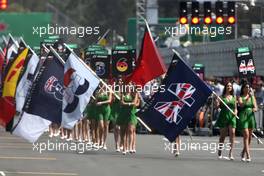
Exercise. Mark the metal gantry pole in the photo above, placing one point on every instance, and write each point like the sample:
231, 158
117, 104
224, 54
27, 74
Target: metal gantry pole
140, 17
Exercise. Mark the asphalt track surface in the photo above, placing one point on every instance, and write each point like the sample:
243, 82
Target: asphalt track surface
153, 157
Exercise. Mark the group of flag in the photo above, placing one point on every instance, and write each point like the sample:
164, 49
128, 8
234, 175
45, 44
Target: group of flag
37, 92
40, 92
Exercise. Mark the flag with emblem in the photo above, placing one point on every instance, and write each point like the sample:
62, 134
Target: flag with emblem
44, 104
171, 109
79, 84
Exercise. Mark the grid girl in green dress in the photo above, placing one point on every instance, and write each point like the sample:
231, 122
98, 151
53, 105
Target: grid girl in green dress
128, 119
103, 111
247, 122
227, 120
115, 112
90, 112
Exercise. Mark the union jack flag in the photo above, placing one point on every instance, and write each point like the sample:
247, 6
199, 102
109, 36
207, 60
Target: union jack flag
50, 84
170, 110
183, 91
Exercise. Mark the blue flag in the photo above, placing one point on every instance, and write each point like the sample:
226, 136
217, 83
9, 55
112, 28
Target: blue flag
171, 109
44, 105
46, 99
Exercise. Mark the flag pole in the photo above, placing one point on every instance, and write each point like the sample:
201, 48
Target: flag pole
45, 48
57, 55
2, 52
15, 42
253, 134
4, 39
33, 52
110, 89
145, 125
23, 41
219, 98
108, 30
149, 29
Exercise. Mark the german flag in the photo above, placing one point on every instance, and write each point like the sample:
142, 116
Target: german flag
7, 100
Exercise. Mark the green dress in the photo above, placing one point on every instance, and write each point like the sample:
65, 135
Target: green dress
90, 110
226, 117
115, 111
127, 113
103, 111
246, 115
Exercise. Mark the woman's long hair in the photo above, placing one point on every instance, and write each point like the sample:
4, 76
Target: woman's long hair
243, 87
225, 89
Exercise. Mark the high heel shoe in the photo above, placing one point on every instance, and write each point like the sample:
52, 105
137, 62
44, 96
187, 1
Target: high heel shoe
105, 148
231, 157
177, 153
248, 160
242, 157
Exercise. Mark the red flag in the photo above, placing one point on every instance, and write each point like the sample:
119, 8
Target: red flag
7, 110
150, 64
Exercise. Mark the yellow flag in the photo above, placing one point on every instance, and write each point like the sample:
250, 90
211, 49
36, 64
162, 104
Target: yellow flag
10, 82
102, 42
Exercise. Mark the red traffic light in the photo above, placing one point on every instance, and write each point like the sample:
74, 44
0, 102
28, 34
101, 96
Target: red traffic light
183, 13
195, 12
231, 12
195, 20
231, 20
207, 20
207, 12
3, 4
183, 20
219, 20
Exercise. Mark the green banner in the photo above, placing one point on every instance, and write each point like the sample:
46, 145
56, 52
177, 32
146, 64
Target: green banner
23, 25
